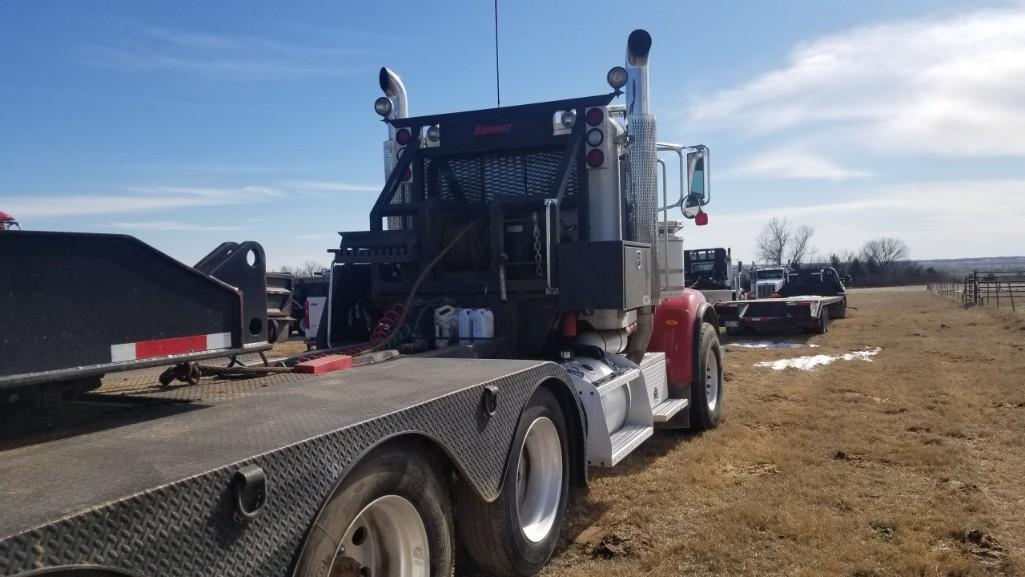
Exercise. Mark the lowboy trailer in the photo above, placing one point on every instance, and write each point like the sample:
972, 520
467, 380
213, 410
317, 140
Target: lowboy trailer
542, 216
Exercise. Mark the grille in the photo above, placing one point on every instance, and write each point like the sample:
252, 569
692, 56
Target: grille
476, 179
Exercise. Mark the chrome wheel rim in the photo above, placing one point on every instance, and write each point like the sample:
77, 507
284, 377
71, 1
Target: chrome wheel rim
539, 480
386, 539
712, 381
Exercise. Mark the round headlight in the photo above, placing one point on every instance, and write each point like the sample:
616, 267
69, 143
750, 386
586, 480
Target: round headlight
434, 133
595, 137
616, 77
383, 106
568, 118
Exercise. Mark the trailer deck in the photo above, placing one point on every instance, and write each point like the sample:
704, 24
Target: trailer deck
786, 312
149, 489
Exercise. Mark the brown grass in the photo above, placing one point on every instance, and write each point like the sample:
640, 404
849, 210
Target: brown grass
913, 464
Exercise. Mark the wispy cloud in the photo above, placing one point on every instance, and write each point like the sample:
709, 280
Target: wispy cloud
945, 86
161, 225
332, 186
148, 48
135, 200
937, 219
792, 164
156, 198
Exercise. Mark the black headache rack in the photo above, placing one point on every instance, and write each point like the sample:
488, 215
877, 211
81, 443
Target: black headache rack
81, 305
821, 281
516, 179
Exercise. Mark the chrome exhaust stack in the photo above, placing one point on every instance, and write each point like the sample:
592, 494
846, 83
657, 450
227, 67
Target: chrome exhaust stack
395, 91
643, 196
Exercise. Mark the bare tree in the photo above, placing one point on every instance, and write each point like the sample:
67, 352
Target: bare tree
772, 242
885, 251
799, 246
306, 269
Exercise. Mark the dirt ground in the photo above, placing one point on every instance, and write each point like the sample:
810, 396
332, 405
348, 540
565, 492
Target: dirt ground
912, 463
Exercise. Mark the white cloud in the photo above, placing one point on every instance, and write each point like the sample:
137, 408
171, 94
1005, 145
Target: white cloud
163, 226
332, 186
218, 56
937, 220
142, 199
945, 86
137, 199
792, 165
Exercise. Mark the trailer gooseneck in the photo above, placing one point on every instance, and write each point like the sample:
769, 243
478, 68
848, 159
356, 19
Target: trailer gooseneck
541, 219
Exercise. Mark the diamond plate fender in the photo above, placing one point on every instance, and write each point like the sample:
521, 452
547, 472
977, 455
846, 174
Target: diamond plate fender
187, 527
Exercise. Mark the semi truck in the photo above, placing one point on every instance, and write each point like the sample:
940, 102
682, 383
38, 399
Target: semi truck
710, 270
352, 460
767, 281
8, 222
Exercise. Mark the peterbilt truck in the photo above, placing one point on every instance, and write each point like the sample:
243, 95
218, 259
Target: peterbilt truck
347, 460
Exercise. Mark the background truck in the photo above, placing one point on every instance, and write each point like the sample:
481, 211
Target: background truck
7, 222
545, 214
767, 281
809, 300
710, 270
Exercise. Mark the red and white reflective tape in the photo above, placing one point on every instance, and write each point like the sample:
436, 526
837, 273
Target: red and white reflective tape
164, 347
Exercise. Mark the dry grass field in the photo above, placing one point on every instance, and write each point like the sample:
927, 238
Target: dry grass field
912, 463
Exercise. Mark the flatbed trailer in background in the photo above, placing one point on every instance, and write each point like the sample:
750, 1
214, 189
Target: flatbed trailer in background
809, 300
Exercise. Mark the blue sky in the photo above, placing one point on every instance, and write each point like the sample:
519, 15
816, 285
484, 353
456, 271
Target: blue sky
190, 123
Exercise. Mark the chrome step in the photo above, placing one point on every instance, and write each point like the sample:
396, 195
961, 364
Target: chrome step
667, 409
626, 440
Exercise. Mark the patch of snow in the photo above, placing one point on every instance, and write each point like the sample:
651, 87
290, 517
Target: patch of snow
810, 362
771, 345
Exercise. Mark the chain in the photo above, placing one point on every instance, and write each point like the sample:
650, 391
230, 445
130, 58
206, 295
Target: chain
538, 269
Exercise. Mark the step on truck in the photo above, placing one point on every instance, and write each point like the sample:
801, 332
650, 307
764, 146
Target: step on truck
808, 300
543, 214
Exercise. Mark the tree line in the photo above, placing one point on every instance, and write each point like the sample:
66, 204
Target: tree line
879, 262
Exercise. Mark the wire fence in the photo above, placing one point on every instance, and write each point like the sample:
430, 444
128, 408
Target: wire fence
991, 289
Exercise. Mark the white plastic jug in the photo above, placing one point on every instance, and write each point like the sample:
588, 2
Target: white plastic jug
483, 324
445, 326
465, 326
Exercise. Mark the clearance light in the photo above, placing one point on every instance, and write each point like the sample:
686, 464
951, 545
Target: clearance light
616, 77
383, 106
568, 118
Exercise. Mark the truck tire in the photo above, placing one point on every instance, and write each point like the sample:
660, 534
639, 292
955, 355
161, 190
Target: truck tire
391, 516
823, 325
707, 391
841, 310
517, 533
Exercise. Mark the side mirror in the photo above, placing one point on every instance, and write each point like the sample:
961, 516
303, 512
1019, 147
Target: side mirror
698, 184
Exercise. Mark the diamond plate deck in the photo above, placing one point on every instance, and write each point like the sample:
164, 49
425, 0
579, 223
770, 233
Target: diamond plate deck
150, 494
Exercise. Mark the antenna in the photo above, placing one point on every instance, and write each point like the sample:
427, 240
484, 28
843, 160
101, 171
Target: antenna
498, 81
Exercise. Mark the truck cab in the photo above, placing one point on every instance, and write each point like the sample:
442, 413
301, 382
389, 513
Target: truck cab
766, 282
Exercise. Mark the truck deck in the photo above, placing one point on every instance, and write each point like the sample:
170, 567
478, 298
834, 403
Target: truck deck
150, 472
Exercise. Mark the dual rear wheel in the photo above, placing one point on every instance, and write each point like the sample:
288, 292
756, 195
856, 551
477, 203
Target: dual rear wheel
392, 516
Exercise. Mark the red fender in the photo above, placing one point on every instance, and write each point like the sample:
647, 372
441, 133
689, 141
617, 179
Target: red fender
676, 325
